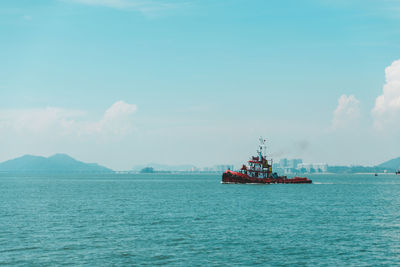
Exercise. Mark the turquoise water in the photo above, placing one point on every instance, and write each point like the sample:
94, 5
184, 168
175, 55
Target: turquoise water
194, 220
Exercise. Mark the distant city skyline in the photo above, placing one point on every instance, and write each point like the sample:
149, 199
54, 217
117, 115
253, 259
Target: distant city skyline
127, 82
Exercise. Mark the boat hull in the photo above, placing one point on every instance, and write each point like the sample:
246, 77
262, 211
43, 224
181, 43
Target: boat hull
231, 177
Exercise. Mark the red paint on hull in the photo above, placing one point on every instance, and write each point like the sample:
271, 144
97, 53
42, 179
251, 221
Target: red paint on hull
241, 178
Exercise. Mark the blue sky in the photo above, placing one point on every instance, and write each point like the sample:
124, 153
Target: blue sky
125, 82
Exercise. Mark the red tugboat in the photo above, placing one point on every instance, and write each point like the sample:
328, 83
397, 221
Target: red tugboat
259, 171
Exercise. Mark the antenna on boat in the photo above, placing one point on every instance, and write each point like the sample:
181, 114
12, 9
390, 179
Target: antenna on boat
263, 148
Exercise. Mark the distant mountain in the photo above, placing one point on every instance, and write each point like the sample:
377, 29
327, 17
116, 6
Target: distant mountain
391, 164
55, 163
161, 167
356, 169
388, 166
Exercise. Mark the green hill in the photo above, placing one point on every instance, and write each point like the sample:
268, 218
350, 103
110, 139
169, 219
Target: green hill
56, 163
391, 164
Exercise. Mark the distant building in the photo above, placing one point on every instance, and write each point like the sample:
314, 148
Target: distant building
276, 166
320, 167
147, 170
292, 163
283, 163
313, 167
223, 168
194, 169
287, 166
305, 166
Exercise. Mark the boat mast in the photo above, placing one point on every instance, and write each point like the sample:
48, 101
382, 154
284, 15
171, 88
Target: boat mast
263, 158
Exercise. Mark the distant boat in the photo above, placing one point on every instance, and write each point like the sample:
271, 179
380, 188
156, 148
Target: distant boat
376, 174
398, 172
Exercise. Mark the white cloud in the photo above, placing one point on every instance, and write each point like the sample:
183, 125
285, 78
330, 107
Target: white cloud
386, 111
37, 121
51, 121
346, 112
117, 120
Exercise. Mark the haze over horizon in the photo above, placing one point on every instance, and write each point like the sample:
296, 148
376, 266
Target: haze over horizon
126, 82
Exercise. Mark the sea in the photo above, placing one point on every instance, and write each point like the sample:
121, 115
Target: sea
194, 220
